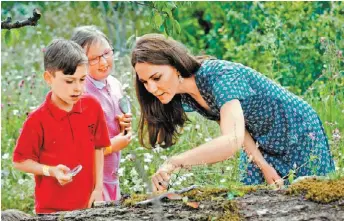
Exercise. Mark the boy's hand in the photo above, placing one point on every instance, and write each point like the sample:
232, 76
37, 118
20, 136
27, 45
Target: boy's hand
97, 195
125, 121
60, 172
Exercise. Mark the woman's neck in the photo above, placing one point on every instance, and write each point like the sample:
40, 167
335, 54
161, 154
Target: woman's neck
189, 86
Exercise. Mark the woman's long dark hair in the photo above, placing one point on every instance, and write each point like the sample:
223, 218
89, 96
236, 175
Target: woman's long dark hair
161, 120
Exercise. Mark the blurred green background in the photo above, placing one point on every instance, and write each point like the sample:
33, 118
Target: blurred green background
297, 44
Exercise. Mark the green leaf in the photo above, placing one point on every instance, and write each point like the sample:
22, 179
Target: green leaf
16, 34
168, 11
176, 26
291, 176
8, 37
158, 20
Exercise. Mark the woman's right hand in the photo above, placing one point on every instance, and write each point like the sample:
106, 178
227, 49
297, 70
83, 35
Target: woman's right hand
60, 172
271, 176
161, 178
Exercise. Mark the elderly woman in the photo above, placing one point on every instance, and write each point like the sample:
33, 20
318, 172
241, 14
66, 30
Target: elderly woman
277, 130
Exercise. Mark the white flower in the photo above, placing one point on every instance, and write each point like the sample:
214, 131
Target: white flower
133, 172
125, 86
122, 160
229, 168
157, 149
146, 167
163, 157
21, 181
5, 156
188, 174
148, 155
147, 160
140, 148
197, 127
187, 128
121, 171
130, 157
208, 139
222, 180
15, 112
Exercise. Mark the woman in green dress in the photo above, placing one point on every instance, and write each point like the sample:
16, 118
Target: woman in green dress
277, 130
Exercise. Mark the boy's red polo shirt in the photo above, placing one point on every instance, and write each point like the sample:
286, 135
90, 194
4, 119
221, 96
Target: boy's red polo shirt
53, 136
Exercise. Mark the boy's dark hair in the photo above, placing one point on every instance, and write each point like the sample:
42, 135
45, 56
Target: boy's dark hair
87, 35
64, 55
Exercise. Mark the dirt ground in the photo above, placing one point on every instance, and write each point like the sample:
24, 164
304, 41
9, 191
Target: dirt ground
260, 204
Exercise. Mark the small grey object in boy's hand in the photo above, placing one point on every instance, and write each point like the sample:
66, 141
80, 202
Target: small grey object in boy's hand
124, 104
75, 170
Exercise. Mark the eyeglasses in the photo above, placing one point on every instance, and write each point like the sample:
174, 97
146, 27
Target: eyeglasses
106, 55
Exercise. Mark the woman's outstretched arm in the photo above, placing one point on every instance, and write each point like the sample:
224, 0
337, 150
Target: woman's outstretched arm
219, 149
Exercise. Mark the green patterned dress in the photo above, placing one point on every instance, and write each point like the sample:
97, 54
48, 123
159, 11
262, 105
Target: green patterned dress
288, 131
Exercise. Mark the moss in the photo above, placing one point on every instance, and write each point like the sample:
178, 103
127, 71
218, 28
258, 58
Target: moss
135, 198
322, 191
61, 216
205, 193
213, 193
231, 212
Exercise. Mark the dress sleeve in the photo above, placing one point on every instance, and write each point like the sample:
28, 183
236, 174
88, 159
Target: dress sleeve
29, 142
229, 86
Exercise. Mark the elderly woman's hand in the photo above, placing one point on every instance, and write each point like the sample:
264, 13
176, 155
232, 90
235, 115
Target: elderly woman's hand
162, 177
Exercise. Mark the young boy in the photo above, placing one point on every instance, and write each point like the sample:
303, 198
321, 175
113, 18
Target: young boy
67, 130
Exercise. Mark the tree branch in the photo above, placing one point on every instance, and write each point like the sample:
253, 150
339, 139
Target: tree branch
32, 21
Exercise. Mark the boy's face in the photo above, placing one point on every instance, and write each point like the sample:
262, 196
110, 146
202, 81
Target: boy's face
66, 89
100, 52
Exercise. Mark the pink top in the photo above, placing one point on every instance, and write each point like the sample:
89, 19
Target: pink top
108, 95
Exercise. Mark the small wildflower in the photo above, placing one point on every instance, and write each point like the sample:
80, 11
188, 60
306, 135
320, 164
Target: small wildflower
229, 168
130, 157
222, 180
208, 139
20, 181
197, 127
336, 135
15, 112
121, 171
163, 157
322, 39
21, 83
5, 156
145, 167
133, 172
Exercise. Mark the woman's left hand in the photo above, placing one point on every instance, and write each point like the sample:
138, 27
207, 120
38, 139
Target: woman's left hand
161, 178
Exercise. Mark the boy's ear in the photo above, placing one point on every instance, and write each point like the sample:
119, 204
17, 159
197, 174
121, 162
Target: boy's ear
47, 77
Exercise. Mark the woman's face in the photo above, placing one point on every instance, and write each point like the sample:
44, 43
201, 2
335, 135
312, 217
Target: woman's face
159, 80
100, 53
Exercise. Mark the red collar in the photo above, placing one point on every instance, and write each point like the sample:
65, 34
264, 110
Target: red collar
58, 113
